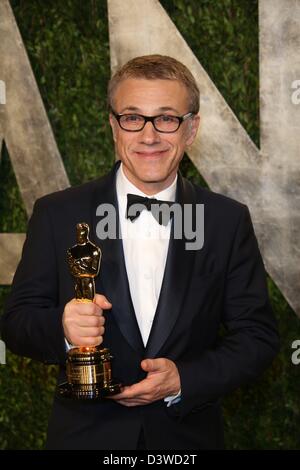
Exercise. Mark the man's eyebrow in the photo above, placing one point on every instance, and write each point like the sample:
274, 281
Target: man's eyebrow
130, 108
168, 108
162, 109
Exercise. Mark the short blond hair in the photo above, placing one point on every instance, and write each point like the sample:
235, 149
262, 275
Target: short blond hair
153, 67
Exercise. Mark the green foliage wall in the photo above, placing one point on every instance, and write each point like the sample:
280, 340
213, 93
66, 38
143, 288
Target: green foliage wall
68, 47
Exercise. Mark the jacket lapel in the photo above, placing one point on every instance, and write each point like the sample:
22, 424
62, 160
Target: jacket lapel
179, 267
113, 276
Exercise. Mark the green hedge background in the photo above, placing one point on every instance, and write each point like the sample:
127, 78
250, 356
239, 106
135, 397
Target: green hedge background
67, 43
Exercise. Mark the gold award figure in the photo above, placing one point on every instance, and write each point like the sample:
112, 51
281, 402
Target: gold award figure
84, 264
88, 367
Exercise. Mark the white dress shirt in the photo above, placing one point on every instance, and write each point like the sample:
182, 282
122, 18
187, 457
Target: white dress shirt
145, 246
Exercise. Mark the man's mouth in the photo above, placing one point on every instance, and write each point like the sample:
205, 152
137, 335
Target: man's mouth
150, 153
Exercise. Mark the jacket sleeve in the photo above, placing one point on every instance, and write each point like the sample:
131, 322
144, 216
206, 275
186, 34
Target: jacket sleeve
32, 321
251, 340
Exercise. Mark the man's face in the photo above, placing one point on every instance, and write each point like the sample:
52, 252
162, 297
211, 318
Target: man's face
151, 158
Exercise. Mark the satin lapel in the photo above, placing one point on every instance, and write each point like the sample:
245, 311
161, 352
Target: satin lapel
112, 280
179, 267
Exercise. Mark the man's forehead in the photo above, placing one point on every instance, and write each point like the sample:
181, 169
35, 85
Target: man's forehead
135, 83
133, 94
158, 109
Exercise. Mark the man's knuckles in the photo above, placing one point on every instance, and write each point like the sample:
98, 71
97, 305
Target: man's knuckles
92, 331
77, 308
90, 321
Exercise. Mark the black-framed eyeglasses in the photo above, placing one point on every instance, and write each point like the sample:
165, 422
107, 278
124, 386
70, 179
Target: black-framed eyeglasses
162, 123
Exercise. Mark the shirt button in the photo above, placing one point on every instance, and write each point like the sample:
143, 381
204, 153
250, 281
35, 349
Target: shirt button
147, 276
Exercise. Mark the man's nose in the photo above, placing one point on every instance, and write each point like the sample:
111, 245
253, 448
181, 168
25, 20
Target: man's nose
149, 134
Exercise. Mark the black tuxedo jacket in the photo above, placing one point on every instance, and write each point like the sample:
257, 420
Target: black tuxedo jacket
221, 284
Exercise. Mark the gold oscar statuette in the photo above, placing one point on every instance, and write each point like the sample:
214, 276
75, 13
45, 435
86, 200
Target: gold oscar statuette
89, 375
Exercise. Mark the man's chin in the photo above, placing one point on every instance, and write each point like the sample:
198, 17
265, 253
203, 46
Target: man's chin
152, 179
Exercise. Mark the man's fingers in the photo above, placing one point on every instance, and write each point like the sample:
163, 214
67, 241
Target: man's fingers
83, 308
93, 332
89, 341
102, 302
83, 323
90, 321
130, 403
134, 391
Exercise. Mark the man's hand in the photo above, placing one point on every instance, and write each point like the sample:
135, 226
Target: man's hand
162, 380
83, 322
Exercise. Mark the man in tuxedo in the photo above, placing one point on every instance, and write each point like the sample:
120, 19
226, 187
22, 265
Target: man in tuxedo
159, 306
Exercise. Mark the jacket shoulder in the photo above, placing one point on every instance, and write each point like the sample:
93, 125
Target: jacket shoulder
218, 201
69, 196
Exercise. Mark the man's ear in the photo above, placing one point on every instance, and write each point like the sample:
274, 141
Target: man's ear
112, 122
193, 127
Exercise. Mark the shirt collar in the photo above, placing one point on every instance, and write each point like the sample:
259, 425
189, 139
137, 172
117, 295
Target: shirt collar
124, 186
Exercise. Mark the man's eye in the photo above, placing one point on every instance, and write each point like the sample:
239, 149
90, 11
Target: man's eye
167, 119
132, 118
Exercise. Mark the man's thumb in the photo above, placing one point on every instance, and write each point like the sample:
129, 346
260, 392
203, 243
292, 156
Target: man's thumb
102, 302
148, 365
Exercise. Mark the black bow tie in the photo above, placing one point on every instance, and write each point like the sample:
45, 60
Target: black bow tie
151, 204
